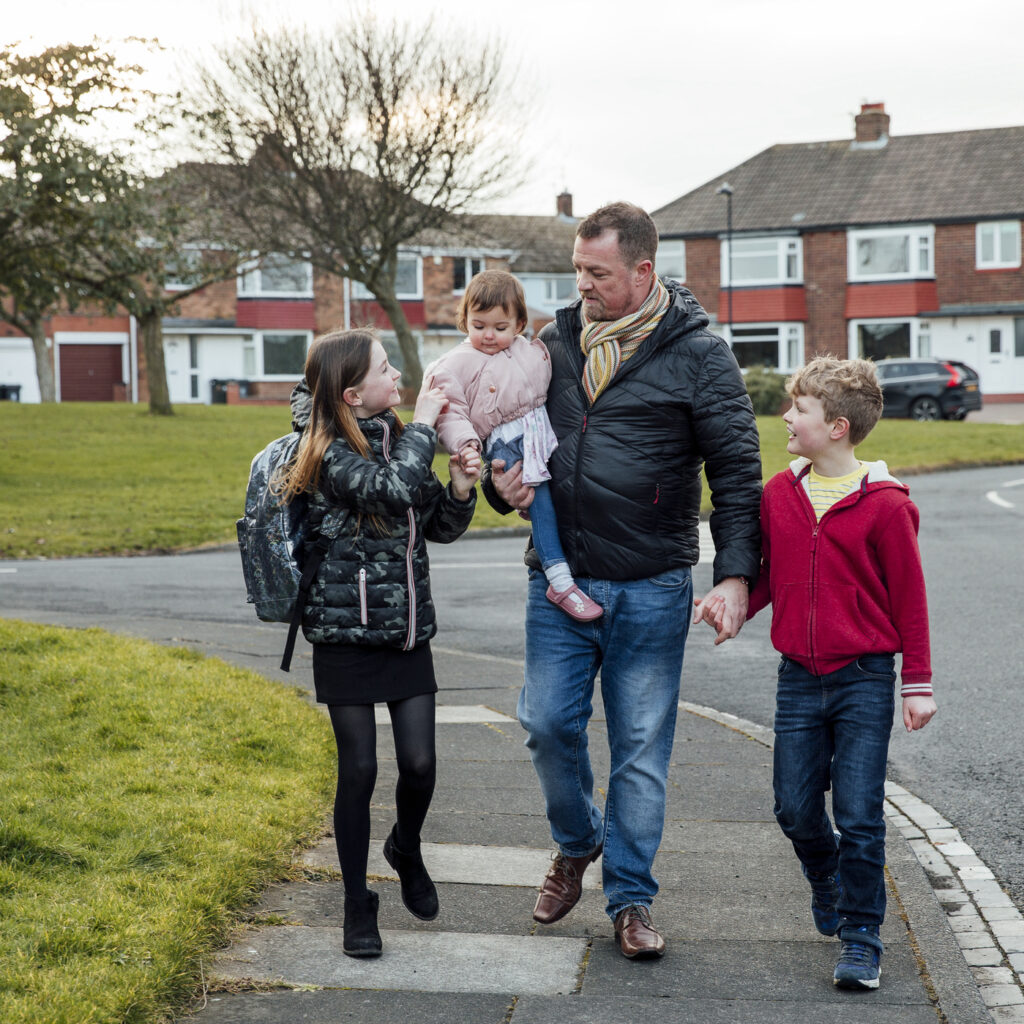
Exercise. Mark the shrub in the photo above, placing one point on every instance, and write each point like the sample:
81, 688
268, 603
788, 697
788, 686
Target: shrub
767, 390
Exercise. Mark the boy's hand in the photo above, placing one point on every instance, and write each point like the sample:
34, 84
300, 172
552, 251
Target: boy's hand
917, 712
724, 608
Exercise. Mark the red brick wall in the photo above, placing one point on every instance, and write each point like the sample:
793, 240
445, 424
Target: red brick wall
825, 291
957, 278
328, 302
214, 302
439, 302
703, 267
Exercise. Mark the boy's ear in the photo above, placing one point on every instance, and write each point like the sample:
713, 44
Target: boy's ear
351, 397
840, 428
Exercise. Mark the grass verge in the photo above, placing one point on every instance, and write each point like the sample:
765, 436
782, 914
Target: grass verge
148, 794
83, 479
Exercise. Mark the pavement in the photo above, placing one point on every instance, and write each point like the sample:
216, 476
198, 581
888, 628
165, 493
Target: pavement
733, 905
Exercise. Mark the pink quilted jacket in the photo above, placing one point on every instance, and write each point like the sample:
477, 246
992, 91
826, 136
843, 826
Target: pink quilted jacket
484, 390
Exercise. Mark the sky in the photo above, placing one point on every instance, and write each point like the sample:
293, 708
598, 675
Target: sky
646, 101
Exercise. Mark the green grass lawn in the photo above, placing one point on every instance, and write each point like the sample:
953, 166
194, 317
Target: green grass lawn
81, 478
148, 795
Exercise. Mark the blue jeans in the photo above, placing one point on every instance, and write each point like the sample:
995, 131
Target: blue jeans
543, 524
638, 646
834, 730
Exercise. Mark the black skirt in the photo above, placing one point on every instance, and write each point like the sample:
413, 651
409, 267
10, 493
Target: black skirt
357, 674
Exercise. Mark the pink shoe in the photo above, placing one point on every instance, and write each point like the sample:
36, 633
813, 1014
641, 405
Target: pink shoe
575, 604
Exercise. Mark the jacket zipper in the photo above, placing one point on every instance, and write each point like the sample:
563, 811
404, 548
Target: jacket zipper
362, 597
410, 635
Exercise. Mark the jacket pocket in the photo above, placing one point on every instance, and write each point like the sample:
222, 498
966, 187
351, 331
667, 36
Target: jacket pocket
363, 617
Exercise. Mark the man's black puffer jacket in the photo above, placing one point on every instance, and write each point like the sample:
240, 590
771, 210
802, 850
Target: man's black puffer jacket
626, 473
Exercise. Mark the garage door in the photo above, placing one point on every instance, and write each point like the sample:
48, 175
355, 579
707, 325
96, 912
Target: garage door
88, 373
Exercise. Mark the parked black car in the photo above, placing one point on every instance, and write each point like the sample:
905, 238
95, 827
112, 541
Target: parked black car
928, 389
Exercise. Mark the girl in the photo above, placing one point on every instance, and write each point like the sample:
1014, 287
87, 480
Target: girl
369, 615
497, 382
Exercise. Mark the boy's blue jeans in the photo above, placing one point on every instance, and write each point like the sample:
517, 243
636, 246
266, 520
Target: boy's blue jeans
543, 524
834, 729
638, 647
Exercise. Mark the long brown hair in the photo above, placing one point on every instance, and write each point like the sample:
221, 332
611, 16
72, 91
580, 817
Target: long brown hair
335, 361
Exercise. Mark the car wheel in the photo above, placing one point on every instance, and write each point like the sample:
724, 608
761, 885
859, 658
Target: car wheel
925, 409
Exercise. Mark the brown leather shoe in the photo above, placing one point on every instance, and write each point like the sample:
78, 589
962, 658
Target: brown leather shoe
636, 935
561, 888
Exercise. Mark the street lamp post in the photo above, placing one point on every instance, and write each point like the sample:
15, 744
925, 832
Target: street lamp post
725, 189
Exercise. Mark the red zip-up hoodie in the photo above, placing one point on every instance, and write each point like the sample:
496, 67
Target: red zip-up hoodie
847, 585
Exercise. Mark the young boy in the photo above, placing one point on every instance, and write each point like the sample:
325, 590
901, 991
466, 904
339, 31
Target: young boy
842, 569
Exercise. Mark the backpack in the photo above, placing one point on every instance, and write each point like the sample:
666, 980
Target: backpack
272, 537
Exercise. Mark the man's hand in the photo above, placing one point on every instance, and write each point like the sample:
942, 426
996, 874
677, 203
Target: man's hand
917, 712
510, 486
724, 608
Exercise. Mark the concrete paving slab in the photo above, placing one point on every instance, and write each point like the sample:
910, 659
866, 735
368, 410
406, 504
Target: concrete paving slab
719, 970
412, 961
490, 827
712, 837
464, 863
497, 910
354, 1007
688, 1010
452, 714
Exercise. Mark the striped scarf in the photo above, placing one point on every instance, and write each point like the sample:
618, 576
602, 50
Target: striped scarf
607, 344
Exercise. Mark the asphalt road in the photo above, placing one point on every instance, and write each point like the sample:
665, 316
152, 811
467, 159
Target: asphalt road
968, 763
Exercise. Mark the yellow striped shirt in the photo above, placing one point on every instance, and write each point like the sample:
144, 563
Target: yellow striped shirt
827, 490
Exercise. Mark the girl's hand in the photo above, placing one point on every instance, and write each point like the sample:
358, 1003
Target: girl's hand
464, 470
917, 712
430, 403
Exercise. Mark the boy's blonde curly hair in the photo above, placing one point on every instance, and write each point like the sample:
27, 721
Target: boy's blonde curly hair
845, 387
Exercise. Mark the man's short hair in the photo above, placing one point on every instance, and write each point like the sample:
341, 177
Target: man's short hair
638, 237
845, 387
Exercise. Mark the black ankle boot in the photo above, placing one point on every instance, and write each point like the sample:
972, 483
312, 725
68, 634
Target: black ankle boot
361, 935
418, 892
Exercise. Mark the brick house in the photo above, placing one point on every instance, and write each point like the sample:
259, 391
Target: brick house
876, 246
244, 340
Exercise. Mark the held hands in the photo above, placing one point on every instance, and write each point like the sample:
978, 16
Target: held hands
917, 712
724, 608
509, 485
464, 470
430, 403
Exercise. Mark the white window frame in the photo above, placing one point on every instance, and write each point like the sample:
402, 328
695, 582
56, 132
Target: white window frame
361, 293
920, 252
467, 263
677, 246
551, 283
784, 245
790, 341
252, 354
189, 256
250, 271
1000, 259
920, 335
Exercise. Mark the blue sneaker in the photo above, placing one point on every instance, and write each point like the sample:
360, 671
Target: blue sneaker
860, 958
826, 891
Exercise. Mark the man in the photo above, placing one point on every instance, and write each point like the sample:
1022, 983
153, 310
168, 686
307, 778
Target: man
642, 396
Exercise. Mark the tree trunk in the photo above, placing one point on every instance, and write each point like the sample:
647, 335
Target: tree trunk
152, 330
412, 370
44, 364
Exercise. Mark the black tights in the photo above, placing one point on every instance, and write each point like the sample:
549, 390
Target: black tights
412, 722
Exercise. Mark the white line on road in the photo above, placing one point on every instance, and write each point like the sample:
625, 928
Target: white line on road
993, 496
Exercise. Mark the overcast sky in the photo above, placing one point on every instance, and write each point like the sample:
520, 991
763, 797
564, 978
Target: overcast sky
646, 101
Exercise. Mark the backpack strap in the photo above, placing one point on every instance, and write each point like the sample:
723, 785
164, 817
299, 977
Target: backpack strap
330, 527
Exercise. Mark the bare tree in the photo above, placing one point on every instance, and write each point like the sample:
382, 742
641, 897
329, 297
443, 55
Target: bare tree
343, 148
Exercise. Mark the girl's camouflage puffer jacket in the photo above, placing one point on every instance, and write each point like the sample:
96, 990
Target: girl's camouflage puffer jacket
374, 587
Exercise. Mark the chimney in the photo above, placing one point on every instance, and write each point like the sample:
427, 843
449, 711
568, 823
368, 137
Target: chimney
564, 204
872, 123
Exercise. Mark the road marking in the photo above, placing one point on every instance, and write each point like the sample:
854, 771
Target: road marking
994, 497
8, 570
